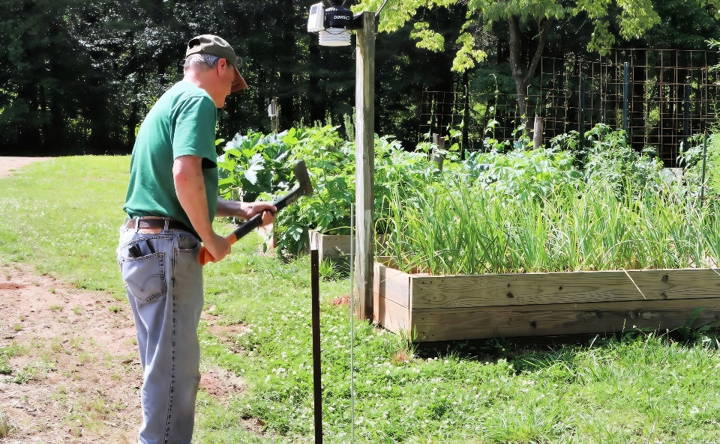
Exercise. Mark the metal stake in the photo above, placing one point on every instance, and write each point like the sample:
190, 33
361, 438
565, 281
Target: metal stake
626, 99
702, 181
317, 373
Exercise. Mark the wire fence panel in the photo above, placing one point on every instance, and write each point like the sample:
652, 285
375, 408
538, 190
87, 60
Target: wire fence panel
660, 97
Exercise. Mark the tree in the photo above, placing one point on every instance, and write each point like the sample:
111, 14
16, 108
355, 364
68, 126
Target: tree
525, 19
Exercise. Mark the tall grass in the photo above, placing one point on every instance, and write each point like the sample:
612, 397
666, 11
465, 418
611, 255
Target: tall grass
460, 227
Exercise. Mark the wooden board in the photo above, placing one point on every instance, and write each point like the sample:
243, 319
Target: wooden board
392, 285
330, 246
547, 288
392, 316
559, 319
364, 165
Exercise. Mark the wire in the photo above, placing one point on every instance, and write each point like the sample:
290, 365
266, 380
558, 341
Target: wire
352, 323
377, 14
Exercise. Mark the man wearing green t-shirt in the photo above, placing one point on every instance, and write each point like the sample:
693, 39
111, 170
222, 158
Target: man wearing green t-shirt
170, 203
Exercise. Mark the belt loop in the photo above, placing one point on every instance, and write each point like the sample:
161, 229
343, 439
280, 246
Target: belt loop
167, 224
137, 224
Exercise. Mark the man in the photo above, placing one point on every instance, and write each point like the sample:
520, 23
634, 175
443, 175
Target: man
171, 201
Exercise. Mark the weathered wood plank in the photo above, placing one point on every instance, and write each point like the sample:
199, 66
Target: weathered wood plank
392, 316
330, 246
559, 319
538, 132
392, 284
364, 165
548, 288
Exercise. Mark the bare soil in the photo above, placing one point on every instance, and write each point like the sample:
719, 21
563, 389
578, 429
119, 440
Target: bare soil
74, 373
8, 165
69, 366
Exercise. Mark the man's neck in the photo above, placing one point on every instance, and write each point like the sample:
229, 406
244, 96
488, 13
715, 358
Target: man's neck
197, 80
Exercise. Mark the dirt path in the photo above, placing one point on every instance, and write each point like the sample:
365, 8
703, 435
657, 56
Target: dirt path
71, 373
69, 370
69, 367
9, 164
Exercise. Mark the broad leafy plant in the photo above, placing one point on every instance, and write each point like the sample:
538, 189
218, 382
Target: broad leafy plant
609, 158
256, 166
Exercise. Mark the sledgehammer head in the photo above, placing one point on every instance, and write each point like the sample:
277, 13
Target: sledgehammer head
303, 179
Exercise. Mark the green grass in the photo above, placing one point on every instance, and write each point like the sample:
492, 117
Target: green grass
62, 217
5, 426
6, 353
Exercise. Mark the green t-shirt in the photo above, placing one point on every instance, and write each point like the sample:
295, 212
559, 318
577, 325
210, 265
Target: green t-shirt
181, 123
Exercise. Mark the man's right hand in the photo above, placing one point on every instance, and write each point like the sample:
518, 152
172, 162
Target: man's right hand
217, 246
190, 189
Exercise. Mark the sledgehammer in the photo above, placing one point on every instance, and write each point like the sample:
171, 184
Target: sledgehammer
303, 188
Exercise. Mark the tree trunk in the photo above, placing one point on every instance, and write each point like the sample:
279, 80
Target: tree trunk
522, 74
28, 131
317, 106
132, 122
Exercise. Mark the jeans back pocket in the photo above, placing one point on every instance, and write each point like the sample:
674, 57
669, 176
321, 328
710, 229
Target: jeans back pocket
145, 277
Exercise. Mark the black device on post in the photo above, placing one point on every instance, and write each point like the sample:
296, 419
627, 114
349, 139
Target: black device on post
338, 16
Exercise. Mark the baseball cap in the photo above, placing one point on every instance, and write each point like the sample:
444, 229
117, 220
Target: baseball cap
218, 47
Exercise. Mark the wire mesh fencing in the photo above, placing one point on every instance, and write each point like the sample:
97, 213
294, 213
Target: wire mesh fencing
659, 97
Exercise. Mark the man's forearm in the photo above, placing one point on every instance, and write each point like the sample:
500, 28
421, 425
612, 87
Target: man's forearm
230, 208
190, 189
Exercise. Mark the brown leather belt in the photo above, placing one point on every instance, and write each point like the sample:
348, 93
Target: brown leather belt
155, 222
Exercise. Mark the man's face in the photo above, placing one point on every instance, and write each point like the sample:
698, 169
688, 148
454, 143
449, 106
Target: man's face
225, 77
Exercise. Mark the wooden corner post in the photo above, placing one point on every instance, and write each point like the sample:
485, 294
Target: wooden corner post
364, 165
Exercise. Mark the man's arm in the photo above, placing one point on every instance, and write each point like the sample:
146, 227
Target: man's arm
190, 189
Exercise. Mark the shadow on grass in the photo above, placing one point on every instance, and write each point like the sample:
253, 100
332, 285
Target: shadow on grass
538, 353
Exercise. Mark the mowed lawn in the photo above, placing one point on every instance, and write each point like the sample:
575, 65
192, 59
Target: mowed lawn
62, 217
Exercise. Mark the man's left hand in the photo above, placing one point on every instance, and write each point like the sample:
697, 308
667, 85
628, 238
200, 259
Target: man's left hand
267, 209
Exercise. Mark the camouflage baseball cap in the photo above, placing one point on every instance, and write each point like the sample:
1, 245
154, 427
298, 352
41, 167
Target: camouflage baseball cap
219, 47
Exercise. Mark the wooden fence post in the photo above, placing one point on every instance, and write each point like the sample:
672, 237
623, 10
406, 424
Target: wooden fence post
364, 165
538, 132
437, 155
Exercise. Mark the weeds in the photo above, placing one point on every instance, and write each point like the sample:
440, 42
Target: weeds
26, 374
5, 354
5, 426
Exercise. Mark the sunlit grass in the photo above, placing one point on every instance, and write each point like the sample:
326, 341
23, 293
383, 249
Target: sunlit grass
62, 218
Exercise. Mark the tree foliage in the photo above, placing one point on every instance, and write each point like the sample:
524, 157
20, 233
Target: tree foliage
79, 76
526, 20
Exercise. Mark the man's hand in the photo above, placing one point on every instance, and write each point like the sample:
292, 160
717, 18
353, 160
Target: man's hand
268, 211
246, 210
217, 246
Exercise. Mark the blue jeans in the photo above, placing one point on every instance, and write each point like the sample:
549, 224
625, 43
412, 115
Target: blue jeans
165, 289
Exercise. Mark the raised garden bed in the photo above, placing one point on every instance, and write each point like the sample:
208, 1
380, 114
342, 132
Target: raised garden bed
438, 308
333, 247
